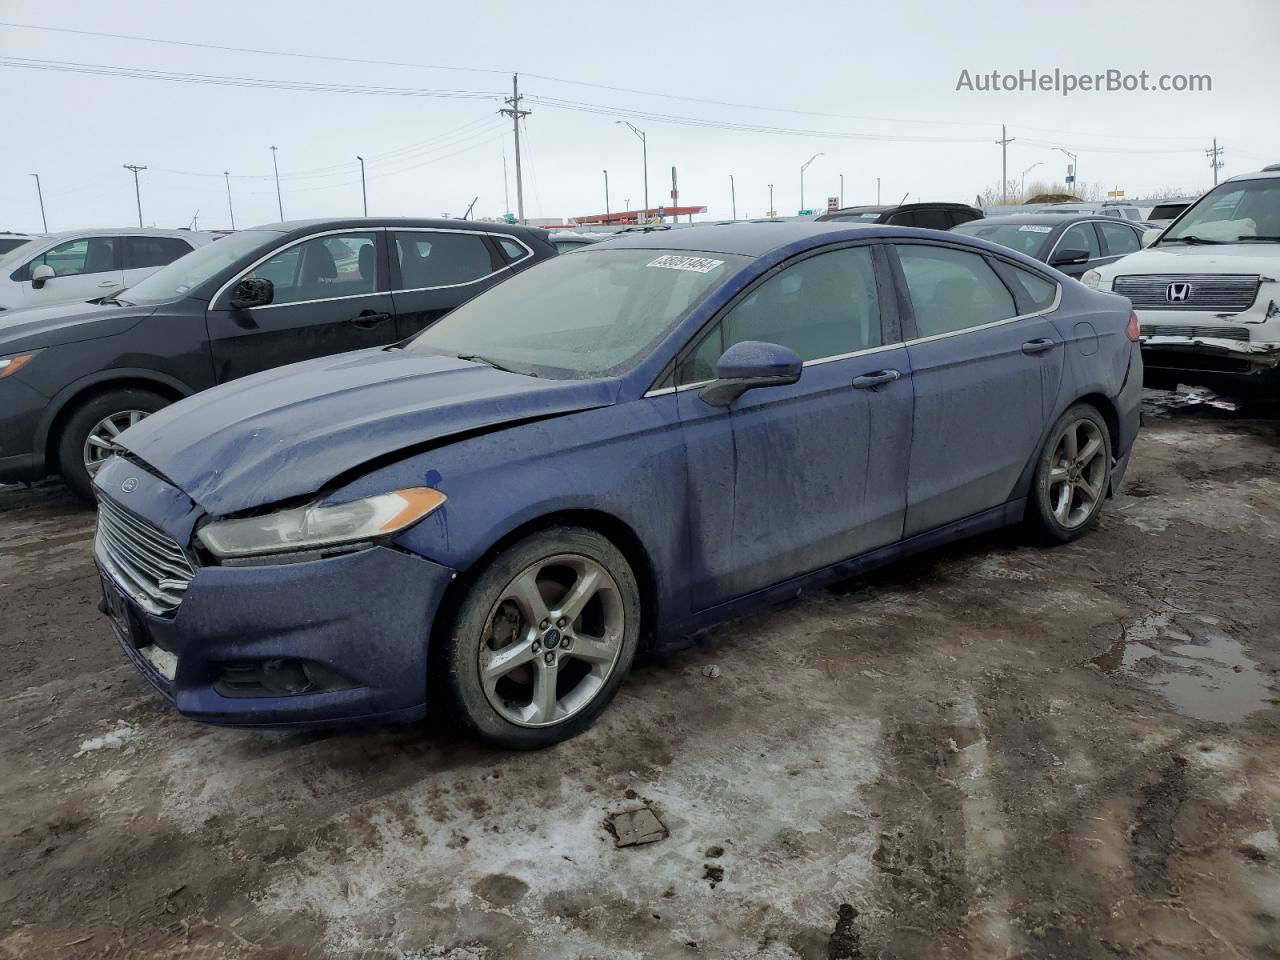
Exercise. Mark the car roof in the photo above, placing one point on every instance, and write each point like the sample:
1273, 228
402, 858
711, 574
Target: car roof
746, 238
1266, 173
438, 223
1043, 219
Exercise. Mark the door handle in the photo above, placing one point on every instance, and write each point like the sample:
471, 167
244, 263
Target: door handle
109, 283
368, 319
1039, 346
869, 380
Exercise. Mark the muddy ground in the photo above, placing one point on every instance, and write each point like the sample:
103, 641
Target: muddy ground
998, 750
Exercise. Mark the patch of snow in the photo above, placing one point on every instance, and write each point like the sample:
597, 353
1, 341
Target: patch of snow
112, 740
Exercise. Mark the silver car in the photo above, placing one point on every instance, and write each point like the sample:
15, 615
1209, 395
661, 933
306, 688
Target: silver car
88, 264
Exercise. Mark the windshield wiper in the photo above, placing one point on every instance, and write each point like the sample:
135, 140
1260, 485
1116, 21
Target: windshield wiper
475, 357
1259, 238
1190, 240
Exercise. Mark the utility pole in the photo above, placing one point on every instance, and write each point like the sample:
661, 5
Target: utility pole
675, 195
877, 191
40, 194
772, 212
1004, 142
606, 196
516, 115
803, 167
842, 190
1215, 159
230, 209
644, 149
733, 197
137, 191
364, 196
279, 201
506, 195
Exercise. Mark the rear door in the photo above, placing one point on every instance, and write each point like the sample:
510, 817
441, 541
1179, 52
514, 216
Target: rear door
330, 297
985, 381
1118, 240
145, 255
435, 270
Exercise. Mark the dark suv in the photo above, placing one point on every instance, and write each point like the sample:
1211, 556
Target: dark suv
72, 377
931, 216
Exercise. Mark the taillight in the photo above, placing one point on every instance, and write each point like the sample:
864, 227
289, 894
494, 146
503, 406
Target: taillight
1133, 331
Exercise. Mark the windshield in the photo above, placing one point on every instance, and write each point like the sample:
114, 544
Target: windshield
1026, 238
186, 273
1243, 211
596, 313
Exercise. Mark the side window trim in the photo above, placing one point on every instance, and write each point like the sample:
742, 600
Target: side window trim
911, 333
486, 235
215, 301
887, 306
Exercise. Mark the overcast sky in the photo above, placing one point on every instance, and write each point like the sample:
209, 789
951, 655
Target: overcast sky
872, 85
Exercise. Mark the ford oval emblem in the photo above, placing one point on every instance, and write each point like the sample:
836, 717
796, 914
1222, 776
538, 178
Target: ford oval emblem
130, 485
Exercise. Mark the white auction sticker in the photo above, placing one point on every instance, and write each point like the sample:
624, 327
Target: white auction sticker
696, 264
1034, 228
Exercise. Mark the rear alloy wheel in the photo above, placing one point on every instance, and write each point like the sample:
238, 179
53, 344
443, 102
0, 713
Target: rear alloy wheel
544, 638
88, 438
1073, 475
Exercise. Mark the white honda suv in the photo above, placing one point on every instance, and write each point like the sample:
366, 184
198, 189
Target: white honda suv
1207, 291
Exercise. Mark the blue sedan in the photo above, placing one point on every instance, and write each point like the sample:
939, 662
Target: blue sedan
606, 451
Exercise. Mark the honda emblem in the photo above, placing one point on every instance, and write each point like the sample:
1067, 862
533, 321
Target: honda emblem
1178, 292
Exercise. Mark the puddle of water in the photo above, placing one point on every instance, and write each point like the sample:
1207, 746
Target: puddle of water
1209, 677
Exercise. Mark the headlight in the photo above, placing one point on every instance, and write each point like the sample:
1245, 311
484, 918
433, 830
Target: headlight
1092, 279
320, 525
14, 363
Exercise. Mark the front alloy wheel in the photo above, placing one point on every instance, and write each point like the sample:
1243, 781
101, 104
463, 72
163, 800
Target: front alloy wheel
543, 637
100, 445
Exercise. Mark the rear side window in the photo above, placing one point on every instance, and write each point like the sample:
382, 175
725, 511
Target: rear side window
1119, 238
429, 259
515, 251
153, 251
1040, 292
952, 290
929, 219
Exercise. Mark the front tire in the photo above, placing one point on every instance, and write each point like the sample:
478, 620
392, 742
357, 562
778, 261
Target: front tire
543, 638
1072, 475
87, 439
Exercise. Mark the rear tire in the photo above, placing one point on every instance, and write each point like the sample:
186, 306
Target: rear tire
543, 638
83, 444
1073, 475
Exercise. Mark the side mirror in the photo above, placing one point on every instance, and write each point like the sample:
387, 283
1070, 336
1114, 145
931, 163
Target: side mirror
1064, 258
1150, 235
252, 292
751, 364
41, 275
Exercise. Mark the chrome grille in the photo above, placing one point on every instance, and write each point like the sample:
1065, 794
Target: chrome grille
147, 563
1221, 293
1173, 330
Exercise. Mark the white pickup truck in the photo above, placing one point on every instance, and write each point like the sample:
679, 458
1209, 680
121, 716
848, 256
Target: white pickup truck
1207, 290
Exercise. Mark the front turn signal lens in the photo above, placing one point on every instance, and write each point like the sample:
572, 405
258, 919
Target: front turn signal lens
11, 365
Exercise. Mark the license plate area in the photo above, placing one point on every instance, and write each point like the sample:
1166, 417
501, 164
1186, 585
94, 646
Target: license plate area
118, 612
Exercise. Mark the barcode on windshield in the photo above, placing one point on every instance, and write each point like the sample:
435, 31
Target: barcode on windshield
696, 264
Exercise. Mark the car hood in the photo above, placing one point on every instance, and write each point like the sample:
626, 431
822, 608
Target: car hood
1259, 258
287, 432
35, 327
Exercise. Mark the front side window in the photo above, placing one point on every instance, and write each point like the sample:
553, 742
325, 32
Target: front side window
442, 259
952, 289
339, 265
81, 256
1119, 238
1080, 237
153, 251
596, 313
1241, 211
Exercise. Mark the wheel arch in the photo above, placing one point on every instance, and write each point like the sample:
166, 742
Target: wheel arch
70, 398
1105, 406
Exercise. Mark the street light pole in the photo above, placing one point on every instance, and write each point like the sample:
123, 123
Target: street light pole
137, 191
842, 190
803, 167
733, 197
877, 191
40, 194
1023, 189
364, 196
1075, 166
230, 209
606, 196
772, 212
644, 148
276, 168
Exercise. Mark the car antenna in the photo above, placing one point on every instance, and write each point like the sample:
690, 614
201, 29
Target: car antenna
467, 215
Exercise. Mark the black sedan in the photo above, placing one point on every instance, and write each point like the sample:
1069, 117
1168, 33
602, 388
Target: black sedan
1073, 244
74, 376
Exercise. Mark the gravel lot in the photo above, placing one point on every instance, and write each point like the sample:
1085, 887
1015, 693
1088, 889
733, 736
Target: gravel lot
995, 750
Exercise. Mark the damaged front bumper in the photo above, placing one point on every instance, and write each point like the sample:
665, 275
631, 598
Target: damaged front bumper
1204, 354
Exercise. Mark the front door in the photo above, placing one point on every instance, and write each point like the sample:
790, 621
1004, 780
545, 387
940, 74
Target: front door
790, 479
434, 271
985, 382
330, 296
